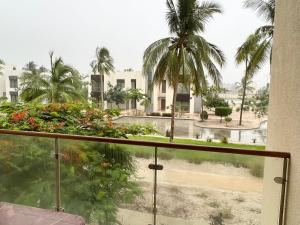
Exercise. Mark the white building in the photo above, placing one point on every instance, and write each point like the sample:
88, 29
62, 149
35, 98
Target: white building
161, 96
9, 83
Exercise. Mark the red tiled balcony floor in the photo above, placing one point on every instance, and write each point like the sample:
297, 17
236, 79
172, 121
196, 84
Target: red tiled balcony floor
11, 214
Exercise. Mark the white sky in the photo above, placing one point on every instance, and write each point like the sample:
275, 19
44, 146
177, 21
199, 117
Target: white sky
74, 28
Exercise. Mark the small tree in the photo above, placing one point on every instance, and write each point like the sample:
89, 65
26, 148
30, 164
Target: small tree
227, 120
203, 116
136, 95
146, 101
214, 101
260, 102
223, 112
115, 94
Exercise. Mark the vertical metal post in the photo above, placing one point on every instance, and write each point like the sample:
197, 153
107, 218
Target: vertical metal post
155, 188
283, 192
57, 176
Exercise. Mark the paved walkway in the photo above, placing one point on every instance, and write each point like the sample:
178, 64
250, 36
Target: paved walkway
11, 214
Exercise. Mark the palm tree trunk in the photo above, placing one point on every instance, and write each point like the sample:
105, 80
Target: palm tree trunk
102, 90
173, 114
244, 94
202, 107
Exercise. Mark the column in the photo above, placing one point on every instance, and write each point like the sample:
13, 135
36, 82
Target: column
284, 110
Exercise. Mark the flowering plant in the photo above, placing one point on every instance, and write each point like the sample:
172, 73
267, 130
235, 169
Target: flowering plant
69, 118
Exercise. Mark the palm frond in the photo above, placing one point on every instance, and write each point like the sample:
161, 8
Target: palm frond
245, 51
259, 57
153, 53
266, 31
205, 11
172, 17
265, 8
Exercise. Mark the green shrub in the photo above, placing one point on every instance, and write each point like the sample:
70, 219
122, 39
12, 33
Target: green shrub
155, 114
168, 133
227, 120
167, 115
113, 112
224, 140
212, 101
209, 140
223, 112
204, 115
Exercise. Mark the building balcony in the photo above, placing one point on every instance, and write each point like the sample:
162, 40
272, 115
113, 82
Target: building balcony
128, 182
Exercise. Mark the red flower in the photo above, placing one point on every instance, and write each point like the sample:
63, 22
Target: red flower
31, 120
18, 116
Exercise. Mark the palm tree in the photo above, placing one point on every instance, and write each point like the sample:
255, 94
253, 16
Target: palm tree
263, 36
2, 63
240, 86
61, 84
245, 54
103, 65
185, 57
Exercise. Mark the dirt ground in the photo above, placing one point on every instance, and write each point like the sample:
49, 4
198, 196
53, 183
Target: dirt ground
188, 194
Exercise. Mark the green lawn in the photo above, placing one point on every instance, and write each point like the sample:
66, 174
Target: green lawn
254, 163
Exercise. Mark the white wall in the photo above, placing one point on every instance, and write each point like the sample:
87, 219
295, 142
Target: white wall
284, 111
127, 76
8, 70
157, 95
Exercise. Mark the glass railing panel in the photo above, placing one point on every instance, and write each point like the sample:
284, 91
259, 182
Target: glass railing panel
27, 171
201, 188
107, 184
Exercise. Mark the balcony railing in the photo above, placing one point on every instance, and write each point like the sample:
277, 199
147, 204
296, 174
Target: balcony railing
190, 184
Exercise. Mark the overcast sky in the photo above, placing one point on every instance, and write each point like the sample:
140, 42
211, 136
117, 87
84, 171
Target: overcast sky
74, 28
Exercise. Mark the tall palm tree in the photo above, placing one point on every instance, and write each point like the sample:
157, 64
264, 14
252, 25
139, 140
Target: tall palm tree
103, 65
2, 63
185, 57
263, 36
245, 54
61, 84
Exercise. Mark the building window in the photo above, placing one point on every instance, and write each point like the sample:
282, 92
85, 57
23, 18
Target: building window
133, 83
13, 82
183, 89
164, 86
96, 83
121, 83
13, 96
4, 94
163, 104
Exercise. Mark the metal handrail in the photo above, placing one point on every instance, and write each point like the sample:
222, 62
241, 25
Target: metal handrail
225, 150
56, 136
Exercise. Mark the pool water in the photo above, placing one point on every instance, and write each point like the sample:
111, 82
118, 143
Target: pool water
187, 129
